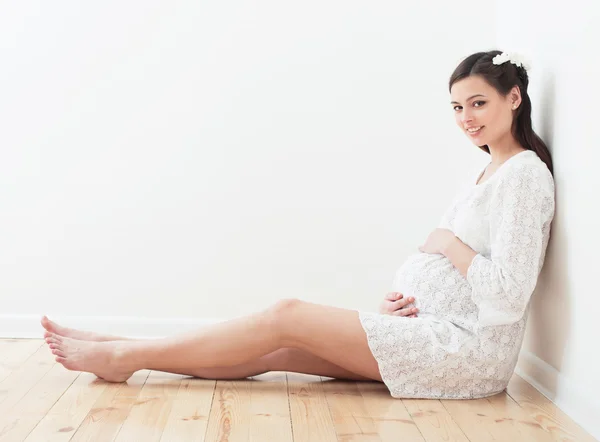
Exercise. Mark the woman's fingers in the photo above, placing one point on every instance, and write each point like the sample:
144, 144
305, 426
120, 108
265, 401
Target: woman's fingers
404, 301
392, 296
406, 311
399, 303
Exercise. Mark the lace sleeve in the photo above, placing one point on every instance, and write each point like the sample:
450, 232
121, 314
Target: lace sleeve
521, 212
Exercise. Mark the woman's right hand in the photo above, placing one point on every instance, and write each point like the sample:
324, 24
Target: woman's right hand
394, 303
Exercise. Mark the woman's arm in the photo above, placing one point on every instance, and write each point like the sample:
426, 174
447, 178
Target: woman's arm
445, 242
459, 254
520, 215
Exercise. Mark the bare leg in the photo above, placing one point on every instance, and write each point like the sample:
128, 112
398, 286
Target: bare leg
217, 345
300, 361
330, 333
284, 359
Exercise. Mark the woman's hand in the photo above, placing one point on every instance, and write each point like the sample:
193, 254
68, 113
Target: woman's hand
395, 303
438, 241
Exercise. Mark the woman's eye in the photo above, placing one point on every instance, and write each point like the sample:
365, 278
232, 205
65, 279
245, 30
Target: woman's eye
481, 103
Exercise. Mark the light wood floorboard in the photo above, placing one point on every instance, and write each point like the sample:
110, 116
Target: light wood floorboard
42, 401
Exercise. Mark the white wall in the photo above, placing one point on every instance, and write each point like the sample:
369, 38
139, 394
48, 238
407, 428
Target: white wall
189, 161
560, 354
195, 160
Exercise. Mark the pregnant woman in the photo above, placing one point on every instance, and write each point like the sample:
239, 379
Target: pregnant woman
471, 281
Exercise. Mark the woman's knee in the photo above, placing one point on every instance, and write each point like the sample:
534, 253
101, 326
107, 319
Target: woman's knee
280, 317
285, 304
280, 309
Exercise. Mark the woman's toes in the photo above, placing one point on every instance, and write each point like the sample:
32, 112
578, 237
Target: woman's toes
48, 324
54, 345
56, 338
52, 328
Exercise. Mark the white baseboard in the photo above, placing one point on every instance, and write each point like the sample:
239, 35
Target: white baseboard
28, 326
582, 405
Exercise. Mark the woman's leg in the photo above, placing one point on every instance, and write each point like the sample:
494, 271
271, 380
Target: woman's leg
330, 333
301, 361
284, 359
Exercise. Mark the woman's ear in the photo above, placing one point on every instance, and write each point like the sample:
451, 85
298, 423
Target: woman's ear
515, 97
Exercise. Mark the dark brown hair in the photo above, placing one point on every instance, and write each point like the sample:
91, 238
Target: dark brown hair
503, 78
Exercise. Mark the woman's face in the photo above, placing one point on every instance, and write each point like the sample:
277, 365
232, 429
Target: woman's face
476, 104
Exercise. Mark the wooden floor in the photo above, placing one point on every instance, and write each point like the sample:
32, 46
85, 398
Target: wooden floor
42, 401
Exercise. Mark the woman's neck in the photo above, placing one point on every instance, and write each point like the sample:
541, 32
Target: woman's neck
499, 156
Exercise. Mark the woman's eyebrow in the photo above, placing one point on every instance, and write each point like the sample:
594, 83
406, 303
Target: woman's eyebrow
478, 95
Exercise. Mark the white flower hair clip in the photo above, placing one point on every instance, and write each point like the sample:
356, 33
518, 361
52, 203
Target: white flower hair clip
515, 58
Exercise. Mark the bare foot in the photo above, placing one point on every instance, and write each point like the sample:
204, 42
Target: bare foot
104, 359
53, 328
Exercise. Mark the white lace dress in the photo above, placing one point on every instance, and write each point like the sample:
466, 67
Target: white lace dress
467, 336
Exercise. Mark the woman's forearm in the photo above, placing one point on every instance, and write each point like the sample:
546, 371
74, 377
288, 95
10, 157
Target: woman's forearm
459, 254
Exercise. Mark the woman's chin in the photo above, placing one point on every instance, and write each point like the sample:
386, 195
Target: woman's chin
478, 141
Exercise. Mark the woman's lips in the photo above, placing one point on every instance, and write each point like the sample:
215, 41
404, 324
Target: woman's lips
474, 134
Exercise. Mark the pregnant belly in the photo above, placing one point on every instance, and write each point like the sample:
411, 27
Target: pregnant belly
434, 282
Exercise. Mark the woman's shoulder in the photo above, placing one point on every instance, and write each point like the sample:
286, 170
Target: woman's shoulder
529, 171
528, 184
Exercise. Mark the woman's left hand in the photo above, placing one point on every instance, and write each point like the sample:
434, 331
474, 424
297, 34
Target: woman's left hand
438, 241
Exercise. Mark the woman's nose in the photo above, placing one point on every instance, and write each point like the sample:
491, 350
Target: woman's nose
466, 118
